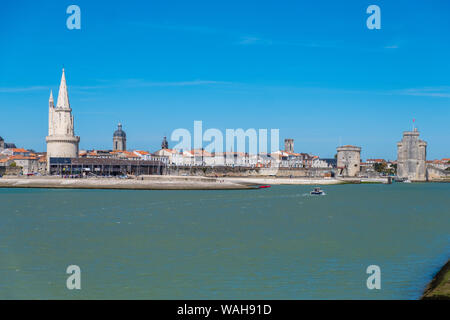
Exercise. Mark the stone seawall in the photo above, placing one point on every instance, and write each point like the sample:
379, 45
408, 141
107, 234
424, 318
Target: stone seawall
218, 171
226, 171
437, 174
160, 183
304, 172
286, 180
10, 171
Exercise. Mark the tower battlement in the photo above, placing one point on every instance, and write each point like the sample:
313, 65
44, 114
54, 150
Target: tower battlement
348, 160
411, 157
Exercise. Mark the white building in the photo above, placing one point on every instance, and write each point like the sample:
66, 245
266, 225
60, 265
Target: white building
231, 159
147, 156
29, 165
284, 159
319, 163
197, 157
174, 157
15, 152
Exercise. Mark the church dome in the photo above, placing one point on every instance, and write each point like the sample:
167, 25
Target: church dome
119, 132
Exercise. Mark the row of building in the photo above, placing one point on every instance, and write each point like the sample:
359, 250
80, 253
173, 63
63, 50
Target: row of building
32, 162
64, 157
116, 162
63, 147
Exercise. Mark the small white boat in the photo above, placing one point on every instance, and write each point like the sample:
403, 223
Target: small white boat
407, 181
317, 192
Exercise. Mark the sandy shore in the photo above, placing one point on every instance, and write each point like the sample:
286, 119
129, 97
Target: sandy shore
149, 183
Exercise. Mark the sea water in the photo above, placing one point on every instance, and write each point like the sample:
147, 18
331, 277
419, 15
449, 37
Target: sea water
275, 243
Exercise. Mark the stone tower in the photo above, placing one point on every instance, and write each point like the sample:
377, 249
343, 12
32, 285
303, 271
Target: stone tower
119, 139
411, 157
61, 139
2, 144
348, 161
165, 144
289, 145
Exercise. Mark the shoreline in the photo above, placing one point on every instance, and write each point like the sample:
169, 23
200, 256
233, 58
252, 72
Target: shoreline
306, 181
167, 182
174, 183
439, 287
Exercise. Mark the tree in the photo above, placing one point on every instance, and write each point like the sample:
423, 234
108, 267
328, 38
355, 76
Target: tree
379, 167
394, 168
13, 164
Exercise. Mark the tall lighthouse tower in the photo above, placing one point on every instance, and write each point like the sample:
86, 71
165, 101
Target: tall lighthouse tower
61, 139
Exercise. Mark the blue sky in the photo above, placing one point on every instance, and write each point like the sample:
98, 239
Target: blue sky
309, 68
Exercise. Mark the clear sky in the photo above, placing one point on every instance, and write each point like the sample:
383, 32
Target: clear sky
309, 68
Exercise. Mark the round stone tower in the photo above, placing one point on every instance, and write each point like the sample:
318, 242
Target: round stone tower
348, 161
2, 144
119, 139
61, 139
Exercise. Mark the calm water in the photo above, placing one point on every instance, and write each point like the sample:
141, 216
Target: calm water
274, 243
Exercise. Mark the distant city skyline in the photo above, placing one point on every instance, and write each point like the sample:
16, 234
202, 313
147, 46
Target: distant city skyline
314, 72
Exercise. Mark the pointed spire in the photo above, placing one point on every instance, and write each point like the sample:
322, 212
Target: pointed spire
51, 103
63, 96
